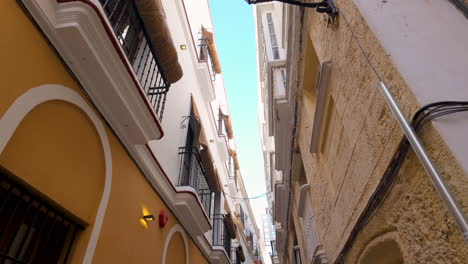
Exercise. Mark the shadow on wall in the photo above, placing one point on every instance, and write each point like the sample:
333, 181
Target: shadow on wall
383, 250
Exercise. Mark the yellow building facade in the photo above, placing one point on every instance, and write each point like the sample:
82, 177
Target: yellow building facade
54, 140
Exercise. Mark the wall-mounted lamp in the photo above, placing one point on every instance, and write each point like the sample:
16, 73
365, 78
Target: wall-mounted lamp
325, 6
149, 218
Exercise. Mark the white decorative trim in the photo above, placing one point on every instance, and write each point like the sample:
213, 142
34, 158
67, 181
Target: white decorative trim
320, 113
95, 57
302, 199
41, 94
176, 229
219, 255
191, 213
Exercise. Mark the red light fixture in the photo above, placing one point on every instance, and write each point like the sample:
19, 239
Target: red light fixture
163, 218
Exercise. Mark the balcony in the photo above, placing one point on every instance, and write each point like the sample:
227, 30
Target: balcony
209, 54
125, 60
220, 233
234, 258
221, 240
193, 175
135, 42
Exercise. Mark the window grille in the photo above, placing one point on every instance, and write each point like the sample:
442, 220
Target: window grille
34, 229
130, 31
220, 233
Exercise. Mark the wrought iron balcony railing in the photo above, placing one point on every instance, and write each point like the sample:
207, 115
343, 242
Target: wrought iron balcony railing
205, 55
233, 254
130, 31
192, 174
222, 131
220, 233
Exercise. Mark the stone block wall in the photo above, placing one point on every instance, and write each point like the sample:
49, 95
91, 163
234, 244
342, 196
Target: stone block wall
361, 137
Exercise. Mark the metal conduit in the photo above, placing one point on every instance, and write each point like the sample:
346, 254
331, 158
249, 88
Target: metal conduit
437, 180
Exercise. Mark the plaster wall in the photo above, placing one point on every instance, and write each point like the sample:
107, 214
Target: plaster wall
414, 34
362, 134
64, 154
425, 231
195, 83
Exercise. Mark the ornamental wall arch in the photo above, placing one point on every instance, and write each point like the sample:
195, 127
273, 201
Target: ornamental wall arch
384, 249
174, 230
12, 118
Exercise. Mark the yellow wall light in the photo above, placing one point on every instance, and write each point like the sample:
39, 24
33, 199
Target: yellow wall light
149, 218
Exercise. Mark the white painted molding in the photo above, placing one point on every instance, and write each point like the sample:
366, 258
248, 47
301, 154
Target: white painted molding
302, 199
190, 211
219, 255
176, 229
82, 35
41, 94
320, 112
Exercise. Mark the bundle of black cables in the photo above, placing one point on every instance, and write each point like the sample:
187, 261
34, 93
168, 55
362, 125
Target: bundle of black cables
420, 119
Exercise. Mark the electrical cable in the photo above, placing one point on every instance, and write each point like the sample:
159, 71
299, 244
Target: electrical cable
374, 69
422, 117
247, 198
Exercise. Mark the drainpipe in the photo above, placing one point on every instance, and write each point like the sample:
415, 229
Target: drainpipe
437, 180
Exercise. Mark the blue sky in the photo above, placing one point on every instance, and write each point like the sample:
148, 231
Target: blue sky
235, 39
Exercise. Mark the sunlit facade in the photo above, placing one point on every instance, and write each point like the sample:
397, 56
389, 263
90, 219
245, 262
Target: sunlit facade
116, 144
345, 187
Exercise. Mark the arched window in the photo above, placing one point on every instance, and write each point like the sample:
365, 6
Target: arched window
382, 250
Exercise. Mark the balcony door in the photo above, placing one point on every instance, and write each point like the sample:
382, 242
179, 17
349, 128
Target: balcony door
192, 145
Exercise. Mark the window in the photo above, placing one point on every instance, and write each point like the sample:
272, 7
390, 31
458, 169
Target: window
33, 228
195, 162
273, 40
221, 123
296, 255
123, 16
240, 214
283, 77
189, 162
203, 46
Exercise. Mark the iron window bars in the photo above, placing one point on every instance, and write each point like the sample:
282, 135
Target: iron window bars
234, 258
34, 229
205, 55
220, 233
192, 174
222, 131
130, 31
242, 216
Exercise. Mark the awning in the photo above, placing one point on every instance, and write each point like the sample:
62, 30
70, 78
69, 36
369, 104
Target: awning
229, 130
154, 19
205, 155
236, 162
240, 253
208, 37
211, 172
230, 226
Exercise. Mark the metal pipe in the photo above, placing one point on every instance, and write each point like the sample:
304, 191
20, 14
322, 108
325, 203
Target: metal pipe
437, 180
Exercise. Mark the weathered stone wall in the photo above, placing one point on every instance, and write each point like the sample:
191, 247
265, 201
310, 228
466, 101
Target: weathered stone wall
361, 138
426, 232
